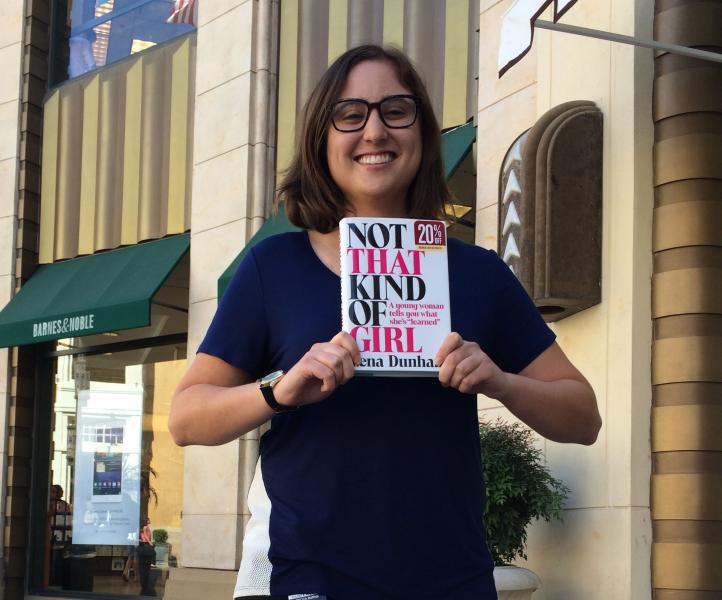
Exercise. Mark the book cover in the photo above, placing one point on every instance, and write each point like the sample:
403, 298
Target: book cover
395, 293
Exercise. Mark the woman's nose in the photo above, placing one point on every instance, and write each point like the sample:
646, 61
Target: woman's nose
375, 130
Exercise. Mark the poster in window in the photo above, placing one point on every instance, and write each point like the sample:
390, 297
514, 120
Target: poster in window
107, 466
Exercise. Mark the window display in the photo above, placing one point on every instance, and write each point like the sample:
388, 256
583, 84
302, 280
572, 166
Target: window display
115, 477
107, 466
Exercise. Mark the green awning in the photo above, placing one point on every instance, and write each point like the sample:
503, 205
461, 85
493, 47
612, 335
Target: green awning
93, 294
455, 145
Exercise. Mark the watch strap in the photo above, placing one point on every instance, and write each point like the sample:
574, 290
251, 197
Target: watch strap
270, 398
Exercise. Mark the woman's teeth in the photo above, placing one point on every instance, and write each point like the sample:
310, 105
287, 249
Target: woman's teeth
375, 159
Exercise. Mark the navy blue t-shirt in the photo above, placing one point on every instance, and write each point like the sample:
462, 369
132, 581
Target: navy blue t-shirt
377, 491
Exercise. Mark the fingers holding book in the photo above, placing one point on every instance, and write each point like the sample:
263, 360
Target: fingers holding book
325, 367
464, 366
344, 340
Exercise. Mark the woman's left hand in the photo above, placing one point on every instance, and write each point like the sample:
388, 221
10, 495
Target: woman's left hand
465, 367
549, 394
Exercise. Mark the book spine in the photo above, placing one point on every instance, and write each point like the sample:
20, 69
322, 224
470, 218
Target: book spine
344, 276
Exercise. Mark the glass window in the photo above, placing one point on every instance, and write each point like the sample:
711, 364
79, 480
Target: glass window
115, 475
99, 32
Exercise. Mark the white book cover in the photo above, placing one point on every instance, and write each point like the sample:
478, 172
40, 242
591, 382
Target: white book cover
395, 293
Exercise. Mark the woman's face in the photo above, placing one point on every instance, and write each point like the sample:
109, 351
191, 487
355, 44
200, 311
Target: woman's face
374, 167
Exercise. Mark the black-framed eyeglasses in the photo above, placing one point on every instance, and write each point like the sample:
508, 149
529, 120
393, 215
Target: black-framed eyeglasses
396, 112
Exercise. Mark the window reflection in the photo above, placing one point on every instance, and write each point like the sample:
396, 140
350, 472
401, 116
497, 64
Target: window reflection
114, 506
104, 31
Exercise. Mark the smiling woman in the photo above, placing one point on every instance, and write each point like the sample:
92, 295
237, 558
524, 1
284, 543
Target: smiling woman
373, 163
313, 196
368, 487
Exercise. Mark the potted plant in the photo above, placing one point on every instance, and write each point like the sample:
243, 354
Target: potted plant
162, 548
519, 489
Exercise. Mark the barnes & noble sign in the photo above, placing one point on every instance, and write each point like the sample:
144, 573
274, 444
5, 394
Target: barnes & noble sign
68, 325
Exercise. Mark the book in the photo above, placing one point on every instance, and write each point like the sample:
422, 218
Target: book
395, 293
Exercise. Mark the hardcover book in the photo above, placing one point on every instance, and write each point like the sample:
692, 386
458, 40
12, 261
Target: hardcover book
395, 293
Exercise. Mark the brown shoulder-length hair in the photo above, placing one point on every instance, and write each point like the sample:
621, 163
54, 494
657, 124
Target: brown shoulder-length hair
311, 196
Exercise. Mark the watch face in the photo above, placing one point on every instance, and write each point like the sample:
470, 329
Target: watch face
271, 377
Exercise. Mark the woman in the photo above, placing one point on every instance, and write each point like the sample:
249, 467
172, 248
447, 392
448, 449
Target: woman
145, 555
369, 488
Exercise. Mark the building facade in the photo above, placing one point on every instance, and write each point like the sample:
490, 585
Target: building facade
139, 157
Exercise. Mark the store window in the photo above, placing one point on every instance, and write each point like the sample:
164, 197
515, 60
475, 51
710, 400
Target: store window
92, 33
114, 475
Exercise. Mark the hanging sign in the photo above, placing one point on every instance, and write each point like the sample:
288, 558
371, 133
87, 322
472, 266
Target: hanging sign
517, 28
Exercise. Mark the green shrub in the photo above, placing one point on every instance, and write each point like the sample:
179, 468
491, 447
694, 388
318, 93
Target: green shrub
519, 488
160, 536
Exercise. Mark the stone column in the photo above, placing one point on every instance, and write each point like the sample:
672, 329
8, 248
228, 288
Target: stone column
24, 27
233, 177
11, 52
687, 306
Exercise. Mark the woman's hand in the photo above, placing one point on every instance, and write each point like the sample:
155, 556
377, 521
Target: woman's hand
463, 366
216, 402
322, 369
549, 394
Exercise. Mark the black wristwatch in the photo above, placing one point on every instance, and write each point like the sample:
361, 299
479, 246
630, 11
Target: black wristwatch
266, 384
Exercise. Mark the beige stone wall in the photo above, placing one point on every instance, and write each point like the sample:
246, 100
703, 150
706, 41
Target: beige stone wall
11, 50
232, 190
602, 549
167, 461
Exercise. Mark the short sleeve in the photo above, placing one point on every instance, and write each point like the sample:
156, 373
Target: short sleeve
238, 333
520, 334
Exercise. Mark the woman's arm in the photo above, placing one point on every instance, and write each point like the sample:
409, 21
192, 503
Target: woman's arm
216, 402
550, 394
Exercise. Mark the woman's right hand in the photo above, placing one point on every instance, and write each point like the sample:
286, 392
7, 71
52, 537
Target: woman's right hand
216, 402
320, 371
